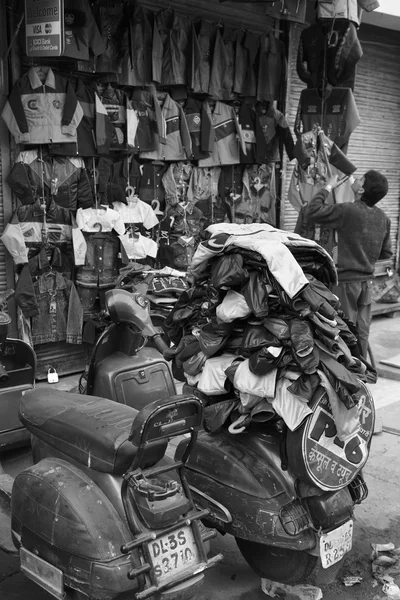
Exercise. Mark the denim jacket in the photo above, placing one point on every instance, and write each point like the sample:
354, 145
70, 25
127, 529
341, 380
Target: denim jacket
60, 311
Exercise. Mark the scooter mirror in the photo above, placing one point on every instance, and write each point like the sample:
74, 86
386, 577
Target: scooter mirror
124, 307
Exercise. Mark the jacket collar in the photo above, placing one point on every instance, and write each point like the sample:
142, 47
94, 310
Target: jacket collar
35, 81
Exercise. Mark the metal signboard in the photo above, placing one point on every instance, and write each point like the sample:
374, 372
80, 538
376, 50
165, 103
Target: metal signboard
44, 28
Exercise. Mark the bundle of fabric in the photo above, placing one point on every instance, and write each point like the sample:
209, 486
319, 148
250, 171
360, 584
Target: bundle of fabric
259, 329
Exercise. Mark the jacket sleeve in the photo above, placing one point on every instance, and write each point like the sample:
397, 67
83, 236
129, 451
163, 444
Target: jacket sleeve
386, 251
207, 131
25, 293
73, 112
14, 116
317, 211
104, 129
14, 241
185, 133
132, 123
96, 42
239, 132
75, 318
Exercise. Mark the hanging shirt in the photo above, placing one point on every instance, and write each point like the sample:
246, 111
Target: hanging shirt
138, 247
137, 213
99, 220
81, 33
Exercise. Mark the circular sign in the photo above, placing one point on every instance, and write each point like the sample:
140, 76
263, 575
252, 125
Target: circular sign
315, 452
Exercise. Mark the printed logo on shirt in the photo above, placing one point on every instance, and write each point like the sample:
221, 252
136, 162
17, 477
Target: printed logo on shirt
336, 108
69, 19
32, 104
312, 108
29, 233
57, 104
249, 137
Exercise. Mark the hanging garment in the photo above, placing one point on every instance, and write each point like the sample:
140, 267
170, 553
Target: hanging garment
137, 247
81, 33
100, 269
60, 316
144, 103
42, 112
122, 116
345, 9
136, 45
126, 172
203, 192
252, 44
241, 59
247, 122
25, 293
272, 129
177, 145
228, 137
65, 180
175, 34
258, 195
200, 128
329, 52
176, 182
109, 18
99, 220
222, 65
272, 68
336, 113
29, 228
95, 131
200, 60
137, 214
151, 188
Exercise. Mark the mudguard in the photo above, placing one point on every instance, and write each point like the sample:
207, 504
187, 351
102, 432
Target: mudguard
252, 487
60, 514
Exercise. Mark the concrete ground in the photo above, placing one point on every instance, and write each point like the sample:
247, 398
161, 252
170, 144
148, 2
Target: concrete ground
377, 520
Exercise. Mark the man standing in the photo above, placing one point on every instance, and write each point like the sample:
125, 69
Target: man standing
363, 232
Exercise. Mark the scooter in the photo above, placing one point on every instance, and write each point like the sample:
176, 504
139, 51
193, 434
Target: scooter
101, 515
287, 497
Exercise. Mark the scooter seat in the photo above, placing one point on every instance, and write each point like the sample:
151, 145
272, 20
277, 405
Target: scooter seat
91, 430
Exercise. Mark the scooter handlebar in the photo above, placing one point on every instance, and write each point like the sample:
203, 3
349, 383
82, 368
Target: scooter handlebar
168, 353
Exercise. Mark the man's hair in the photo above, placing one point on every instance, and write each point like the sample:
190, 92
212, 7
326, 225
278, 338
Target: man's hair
375, 187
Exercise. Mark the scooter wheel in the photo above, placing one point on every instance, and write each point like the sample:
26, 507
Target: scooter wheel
278, 564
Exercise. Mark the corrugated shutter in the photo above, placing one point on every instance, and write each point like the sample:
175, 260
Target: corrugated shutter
376, 142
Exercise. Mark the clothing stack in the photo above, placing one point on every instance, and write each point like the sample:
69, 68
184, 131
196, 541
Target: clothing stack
260, 330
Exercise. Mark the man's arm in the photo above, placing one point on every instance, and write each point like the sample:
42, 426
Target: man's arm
317, 211
386, 251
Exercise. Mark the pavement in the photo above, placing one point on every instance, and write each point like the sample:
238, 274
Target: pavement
376, 519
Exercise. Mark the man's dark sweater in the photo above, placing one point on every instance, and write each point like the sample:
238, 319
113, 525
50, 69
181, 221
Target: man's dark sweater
363, 234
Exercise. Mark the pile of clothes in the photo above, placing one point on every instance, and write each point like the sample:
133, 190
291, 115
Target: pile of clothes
259, 330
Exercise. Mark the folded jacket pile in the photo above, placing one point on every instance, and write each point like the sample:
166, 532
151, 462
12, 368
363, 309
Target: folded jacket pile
260, 325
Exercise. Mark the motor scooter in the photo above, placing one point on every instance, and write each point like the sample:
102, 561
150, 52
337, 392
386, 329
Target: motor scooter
287, 497
100, 515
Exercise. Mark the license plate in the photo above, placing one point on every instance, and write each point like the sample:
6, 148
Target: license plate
335, 544
43, 573
173, 554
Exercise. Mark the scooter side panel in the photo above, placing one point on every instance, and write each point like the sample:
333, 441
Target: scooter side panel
59, 512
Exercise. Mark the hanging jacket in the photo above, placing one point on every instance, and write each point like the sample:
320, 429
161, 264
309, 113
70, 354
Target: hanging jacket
122, 116
338, 58
135, 39
228, 137
25, 294
109, 18
199, 75
252, 45
151, 188
81, 34
271, 68
241, 60
65, 180
259, 190
176, 182
175, 34
222, 66
60, 315
345, 9
200, 128
95, 131
271, 129
25, 232
42, 113
178, 144
337, 113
